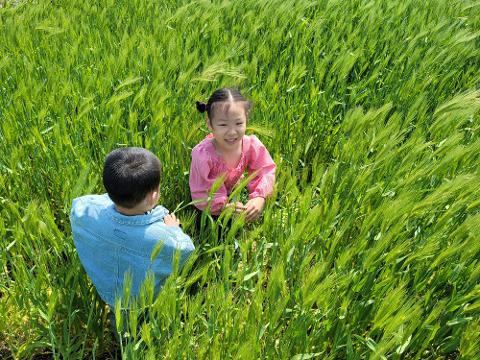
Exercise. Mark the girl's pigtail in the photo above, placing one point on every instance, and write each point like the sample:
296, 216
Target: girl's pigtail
202, 107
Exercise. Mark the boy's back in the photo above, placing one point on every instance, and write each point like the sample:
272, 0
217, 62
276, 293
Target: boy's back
109, 244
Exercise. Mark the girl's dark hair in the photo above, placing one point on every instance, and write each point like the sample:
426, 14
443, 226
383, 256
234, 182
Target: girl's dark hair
129, 174
222, 95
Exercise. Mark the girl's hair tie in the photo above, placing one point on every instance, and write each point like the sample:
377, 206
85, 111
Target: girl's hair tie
202, 107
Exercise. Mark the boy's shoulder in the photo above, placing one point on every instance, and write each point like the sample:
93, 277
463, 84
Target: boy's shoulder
102, 199
98, 214
98, 207
89, 204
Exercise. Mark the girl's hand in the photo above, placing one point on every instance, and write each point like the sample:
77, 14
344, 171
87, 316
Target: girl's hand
254, 207
171, 220
239, 207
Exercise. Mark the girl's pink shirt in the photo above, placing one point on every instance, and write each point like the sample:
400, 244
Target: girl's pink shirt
207, 165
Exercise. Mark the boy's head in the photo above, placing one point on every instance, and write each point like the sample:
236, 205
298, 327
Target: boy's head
130, 174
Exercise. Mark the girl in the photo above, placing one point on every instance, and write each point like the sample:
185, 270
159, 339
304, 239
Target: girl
228, 152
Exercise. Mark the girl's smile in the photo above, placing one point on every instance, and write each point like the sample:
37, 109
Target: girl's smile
228, 125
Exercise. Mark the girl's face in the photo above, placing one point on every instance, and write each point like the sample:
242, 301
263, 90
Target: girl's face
228, 124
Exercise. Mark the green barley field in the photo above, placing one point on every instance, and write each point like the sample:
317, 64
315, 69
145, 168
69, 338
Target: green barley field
370, 246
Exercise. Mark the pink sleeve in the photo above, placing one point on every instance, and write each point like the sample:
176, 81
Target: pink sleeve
201, 182
261, 162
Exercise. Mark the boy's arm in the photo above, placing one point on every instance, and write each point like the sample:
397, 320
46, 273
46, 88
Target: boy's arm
172, 240
175, 240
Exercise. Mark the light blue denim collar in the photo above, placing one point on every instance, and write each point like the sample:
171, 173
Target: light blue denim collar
156, 214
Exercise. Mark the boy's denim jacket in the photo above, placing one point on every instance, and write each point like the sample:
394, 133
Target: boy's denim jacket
109, 244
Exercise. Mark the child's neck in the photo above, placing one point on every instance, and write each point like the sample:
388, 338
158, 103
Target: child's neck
231, 157
140, 209
232, 152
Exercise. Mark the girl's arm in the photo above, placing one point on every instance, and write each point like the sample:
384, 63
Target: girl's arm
262, 164
201, 182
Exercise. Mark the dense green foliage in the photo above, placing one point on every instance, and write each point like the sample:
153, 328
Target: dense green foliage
370, 246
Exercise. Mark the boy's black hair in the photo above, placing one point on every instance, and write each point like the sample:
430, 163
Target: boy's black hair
129, 174
222, 95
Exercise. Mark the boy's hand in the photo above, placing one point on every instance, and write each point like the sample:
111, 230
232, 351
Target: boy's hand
171, 220
254, 208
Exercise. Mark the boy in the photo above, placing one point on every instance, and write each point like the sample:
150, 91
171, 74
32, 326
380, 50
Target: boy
116, 232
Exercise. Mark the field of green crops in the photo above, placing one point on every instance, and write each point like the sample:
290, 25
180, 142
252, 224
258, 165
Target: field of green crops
370, 246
